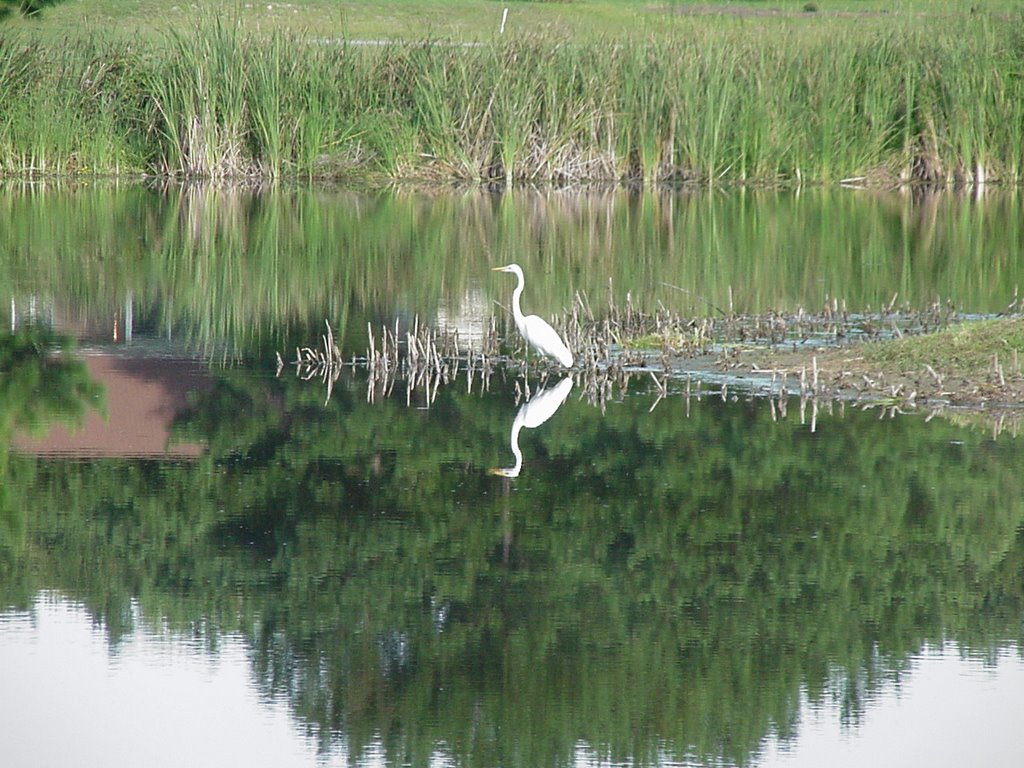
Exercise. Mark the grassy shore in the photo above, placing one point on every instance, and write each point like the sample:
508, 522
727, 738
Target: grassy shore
767, 99
971, 364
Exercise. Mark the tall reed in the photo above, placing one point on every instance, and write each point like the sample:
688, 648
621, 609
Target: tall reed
940, 100
61, 109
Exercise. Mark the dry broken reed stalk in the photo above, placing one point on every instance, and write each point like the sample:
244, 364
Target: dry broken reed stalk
427, 360
323, 362
421, 356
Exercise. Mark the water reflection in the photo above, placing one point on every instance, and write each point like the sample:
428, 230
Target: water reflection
114, 706
43, 382
943, 696
707, 583
69, 700
143, 397
242, 273
531, 414
678, 586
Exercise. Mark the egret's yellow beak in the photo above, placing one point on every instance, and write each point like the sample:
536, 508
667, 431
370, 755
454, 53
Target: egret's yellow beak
497, 269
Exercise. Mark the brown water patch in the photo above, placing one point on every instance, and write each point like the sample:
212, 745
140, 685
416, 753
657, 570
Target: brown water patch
144, 397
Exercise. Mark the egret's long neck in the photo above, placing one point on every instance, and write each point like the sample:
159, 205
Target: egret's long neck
517, 309
514, 443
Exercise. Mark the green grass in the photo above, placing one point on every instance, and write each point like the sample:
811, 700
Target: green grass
611, 91
962, 350
480, 19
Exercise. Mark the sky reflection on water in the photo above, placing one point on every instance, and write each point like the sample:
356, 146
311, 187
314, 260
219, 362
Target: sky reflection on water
948, 710
162, 700
155, 700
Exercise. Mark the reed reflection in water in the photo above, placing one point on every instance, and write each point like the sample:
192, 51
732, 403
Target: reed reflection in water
243, 272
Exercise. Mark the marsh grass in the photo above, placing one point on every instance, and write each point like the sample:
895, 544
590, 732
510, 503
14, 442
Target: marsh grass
939, 102
962, 349
59, 110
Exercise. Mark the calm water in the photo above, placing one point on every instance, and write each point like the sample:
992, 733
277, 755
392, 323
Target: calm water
202, 563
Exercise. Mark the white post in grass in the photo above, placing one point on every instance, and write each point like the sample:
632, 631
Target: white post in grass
129, 317
504, 16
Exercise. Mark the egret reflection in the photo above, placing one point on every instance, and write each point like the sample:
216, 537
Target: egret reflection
532, 414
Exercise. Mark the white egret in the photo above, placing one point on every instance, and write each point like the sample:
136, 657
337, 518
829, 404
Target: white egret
537, 332
532, 414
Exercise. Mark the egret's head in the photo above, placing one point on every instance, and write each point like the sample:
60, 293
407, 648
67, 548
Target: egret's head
513, 268
504, 471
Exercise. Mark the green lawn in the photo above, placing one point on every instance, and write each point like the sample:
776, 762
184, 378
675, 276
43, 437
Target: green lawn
480, 19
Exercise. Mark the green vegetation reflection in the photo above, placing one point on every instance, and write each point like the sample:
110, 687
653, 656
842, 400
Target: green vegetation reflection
652, 585
248, 273
41, 383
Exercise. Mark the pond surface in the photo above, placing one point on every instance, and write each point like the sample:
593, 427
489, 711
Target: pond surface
203, 562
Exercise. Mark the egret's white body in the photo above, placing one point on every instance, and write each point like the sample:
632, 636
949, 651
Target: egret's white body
532, 414
537, 332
